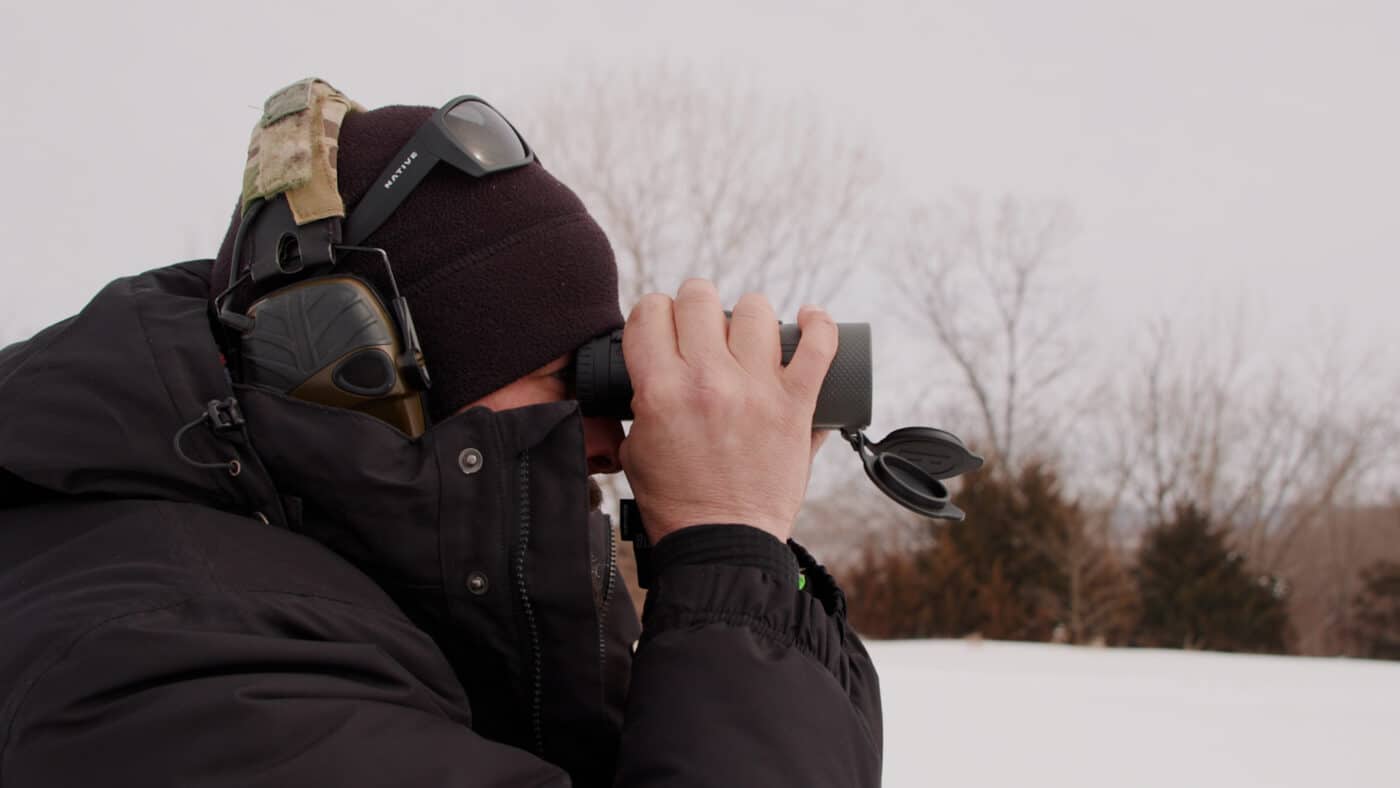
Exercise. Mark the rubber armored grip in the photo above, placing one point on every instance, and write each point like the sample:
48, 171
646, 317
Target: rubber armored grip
604, 388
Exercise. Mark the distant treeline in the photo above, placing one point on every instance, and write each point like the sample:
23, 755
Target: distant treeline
1255, 480
1030, 564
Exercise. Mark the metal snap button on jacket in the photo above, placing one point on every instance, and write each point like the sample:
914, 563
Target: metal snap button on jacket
469, 461
477, 583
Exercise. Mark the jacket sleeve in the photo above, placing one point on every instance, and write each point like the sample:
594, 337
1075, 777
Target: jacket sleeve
744, 678
185, 695
741, 679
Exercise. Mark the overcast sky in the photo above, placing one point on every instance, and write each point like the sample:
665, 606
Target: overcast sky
1216, 151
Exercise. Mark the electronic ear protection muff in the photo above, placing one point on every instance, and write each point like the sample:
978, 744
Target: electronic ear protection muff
318, 335
308, 331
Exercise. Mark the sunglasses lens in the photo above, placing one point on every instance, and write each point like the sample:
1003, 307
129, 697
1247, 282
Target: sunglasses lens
485, 135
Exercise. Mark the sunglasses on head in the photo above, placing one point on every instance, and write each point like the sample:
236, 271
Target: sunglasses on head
466, 132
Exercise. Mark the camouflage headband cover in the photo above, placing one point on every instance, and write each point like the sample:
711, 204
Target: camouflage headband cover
293, 150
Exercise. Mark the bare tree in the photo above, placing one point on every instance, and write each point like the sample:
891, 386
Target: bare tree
691, 178
1181, 419
1099, 602
1289, 453
992, 290
1262, 447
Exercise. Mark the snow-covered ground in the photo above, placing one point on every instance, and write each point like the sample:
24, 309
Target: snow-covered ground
965, 713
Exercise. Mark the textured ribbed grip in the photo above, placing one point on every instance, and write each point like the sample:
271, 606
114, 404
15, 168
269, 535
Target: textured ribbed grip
605, 390
844, 400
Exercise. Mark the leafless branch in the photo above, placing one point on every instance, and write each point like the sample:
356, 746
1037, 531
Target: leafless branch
991, 288
689, 179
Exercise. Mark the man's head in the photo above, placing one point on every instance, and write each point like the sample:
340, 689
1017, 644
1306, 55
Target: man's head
505, 273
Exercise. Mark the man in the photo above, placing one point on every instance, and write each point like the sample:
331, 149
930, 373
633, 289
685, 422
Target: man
205, 581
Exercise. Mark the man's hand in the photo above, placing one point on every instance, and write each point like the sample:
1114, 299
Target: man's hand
722, 432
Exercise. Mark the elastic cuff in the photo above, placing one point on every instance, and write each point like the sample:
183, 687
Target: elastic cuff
730, 544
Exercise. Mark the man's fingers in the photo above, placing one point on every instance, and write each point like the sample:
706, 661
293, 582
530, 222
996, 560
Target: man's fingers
700, 324
753, 335
815, 350
649, 337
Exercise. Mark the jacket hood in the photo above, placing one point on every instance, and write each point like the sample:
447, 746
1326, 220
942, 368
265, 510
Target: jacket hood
498, 560
90, 405
115, 403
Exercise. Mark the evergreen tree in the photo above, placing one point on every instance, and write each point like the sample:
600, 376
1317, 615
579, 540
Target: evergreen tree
1196, 592
1006, 544
1376, 611
1020, 567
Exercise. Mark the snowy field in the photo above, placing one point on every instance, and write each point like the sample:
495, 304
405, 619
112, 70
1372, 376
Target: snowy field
963, 713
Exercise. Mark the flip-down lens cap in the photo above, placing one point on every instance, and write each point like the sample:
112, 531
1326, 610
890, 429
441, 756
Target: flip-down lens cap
910, 464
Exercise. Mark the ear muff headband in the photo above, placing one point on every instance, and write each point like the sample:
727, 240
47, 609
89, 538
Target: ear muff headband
309, 333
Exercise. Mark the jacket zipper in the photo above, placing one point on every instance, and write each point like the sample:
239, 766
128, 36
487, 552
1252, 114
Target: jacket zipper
536, 683
608, 568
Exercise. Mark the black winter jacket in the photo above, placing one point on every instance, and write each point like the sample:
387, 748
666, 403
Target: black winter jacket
327, 602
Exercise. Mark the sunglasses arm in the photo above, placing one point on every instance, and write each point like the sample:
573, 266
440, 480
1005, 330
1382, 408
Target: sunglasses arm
399, 178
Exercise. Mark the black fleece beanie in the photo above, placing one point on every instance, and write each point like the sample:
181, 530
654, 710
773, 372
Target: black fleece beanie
504, 273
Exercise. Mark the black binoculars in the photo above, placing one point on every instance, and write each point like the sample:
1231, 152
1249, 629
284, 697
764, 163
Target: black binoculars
909, 465
604, 389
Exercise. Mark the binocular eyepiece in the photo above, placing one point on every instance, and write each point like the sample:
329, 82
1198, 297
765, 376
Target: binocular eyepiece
604, 388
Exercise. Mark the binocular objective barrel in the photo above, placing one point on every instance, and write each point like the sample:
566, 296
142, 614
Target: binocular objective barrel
604, 389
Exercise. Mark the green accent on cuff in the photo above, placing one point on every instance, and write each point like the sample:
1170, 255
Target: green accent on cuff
801, 581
